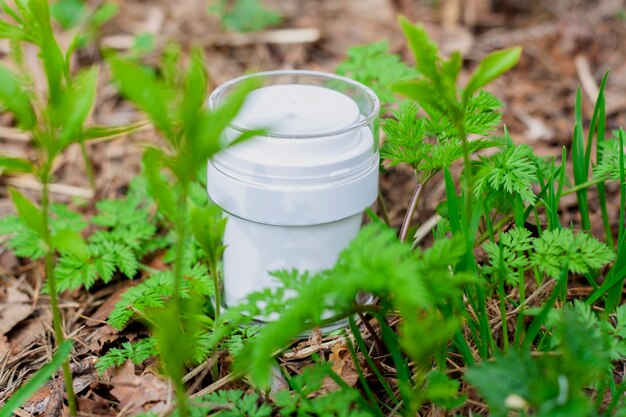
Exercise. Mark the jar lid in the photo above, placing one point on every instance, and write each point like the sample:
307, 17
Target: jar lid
317, 163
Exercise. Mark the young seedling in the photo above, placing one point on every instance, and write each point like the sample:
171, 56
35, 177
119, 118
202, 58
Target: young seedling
244, 15
176, 105
437, 92
54, 121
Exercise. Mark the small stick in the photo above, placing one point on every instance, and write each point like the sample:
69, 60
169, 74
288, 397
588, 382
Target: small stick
32, 184
586, 77
215, 386
404, 231
12, 133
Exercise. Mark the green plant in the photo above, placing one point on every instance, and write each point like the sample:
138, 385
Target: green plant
76, 14
244, 15
374, 66
441, 293
176, 106
54, 121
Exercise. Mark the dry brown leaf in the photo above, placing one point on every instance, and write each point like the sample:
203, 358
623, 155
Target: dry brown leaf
138, 393
102, 313
342, 365
15, 306
31, 330
38, 402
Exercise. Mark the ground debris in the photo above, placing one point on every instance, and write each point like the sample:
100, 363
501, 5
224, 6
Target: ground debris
138, 393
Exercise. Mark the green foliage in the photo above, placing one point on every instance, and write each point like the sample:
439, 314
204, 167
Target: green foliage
76, 14
26, 242
552, 383
375, 67
560, 248
512, 171
342, 403
135, 352
508, 257
609, 165
126, 233
429, 144
375, 262
155, 291
176, 105
436, 89
240, 338
15, 97
245, 15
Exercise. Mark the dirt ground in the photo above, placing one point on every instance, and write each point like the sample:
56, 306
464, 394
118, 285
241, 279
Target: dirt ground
566, 43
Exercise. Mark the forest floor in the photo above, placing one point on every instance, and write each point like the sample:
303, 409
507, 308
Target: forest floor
566, 43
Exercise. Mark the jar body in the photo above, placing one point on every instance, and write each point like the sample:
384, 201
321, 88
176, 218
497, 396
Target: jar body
254, 250
294, 195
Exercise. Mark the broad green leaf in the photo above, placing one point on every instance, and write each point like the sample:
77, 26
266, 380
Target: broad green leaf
27, 390
159, 188
68, 12
75, 105
195, 88
70, 242
145, 91
50, 52
204, 142
424, 49
29, 213
207, 225
491, 67
452, 67
14, 97
421, 91
104, 13
100, 132
15, 164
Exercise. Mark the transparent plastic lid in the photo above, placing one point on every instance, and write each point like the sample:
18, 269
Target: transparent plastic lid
319, 127
319, 152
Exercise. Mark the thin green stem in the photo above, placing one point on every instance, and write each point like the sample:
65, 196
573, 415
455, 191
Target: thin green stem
181, 239
52, 288
382, 208
88, 167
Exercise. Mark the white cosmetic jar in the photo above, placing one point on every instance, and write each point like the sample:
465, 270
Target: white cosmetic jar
294, 197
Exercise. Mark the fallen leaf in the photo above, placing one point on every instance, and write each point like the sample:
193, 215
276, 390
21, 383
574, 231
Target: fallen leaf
31, 330
102, 313
342, 365
38, 402
95, 405
15, 306
137, 393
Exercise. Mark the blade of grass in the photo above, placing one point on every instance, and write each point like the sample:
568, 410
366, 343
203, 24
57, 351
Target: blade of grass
452, 201
601, 130
27, 390
614, 295
366, 387
596, 119
402, 367
581, 168
370, 363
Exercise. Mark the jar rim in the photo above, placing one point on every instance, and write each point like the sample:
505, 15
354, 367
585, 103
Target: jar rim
366, 119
